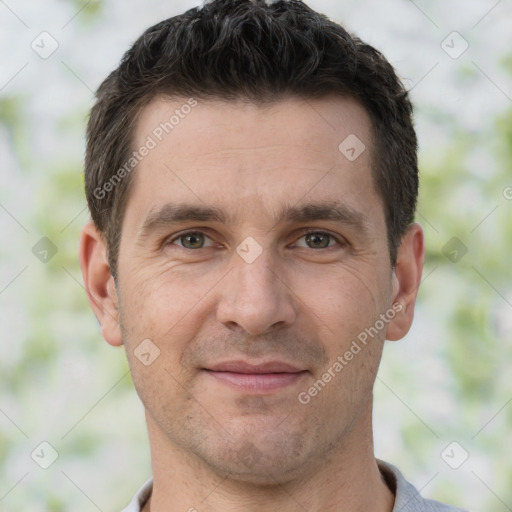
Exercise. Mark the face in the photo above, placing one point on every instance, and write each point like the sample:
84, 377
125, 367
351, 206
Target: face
253, 258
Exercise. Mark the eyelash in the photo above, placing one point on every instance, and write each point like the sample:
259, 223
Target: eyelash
339, 241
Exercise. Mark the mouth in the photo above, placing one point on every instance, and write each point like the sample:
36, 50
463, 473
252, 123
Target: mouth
256, 378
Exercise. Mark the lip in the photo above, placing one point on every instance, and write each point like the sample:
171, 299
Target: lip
248, 368
256, 378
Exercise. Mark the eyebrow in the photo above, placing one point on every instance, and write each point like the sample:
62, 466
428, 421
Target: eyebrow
170, 214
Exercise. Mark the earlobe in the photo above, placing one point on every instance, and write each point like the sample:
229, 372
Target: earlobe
406, 280
99, 283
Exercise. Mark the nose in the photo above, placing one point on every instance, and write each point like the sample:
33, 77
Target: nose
255, 297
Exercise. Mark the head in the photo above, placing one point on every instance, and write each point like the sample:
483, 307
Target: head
251, 174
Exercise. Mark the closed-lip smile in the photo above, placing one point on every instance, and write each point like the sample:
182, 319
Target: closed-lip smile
261, 378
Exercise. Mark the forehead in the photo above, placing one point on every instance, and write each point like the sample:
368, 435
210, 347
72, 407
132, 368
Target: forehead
237, 151
293, 120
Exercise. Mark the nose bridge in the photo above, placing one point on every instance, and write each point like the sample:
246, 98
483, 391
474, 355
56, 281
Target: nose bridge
255, 298
255, 277
258, 276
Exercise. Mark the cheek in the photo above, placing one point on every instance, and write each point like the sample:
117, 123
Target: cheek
170, 310
345, 306
344, 300
159, 300
165, 312
345, 310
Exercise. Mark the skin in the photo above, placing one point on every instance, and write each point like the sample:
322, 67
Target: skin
296, 303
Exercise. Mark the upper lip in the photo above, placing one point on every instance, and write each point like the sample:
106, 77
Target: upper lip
244, 367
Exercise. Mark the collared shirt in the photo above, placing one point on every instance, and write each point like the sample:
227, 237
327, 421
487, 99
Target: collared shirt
407, 498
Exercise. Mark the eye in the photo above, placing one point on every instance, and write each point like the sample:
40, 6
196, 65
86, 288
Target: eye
192, 240
318, 240
198, 240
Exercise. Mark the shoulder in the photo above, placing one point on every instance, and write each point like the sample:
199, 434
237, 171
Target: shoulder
436, 506
407, 497
140, 498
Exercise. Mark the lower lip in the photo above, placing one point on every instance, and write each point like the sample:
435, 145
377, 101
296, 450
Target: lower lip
257, 382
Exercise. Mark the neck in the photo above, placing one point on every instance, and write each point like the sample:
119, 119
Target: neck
343, 477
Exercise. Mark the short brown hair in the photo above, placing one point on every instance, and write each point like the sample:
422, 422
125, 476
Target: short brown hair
259, 51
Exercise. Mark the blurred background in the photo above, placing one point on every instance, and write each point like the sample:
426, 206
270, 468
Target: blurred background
72, 429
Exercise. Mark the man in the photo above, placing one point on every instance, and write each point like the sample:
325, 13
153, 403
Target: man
251, 173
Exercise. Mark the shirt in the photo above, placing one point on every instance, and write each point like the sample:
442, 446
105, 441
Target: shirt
407, 498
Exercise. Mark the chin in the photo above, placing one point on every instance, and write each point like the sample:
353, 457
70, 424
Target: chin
261, 463
263, 475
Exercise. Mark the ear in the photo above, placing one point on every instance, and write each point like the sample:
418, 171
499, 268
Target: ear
406, 280
99, 283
